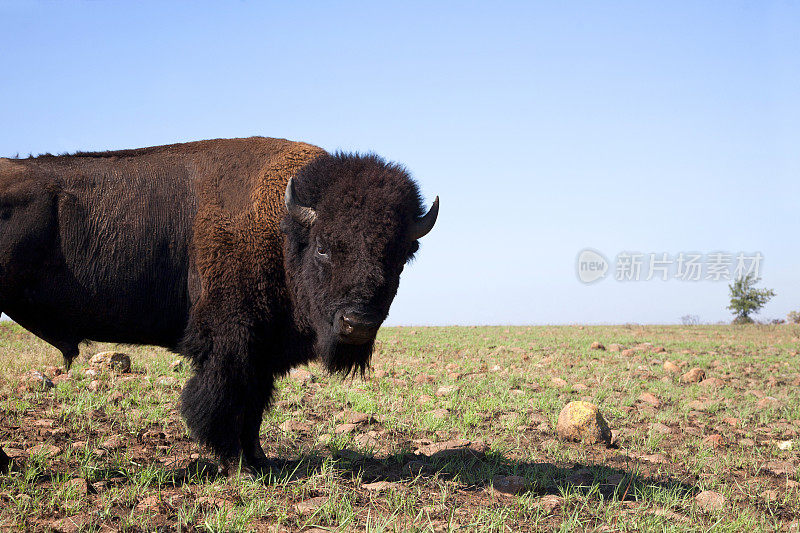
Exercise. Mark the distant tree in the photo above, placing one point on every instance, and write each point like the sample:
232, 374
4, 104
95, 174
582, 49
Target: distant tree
746, 299
690, 320
793, 317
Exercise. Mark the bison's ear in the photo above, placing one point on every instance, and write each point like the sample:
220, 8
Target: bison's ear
302, 214
424, 224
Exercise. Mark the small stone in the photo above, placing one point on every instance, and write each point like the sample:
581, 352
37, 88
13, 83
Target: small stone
176, 365
650, 399
302, 375
358, 418
695, 375
116, 361
780, 468
615, 347
785, 445
307, 507
295, 426
46, 450
79, 485
767, 402
709, 500
558, 382
94, 385
671, 367
661, 428
344, 428
324, 439
78, 445
659, 349
367, 440
549, 503
628, 353
582, 421
379, 486
714, 441
112, 442
423, 399
439, 414
509, 485
597, 346
446, 390
712, 383
35, 381
167, 381
421, 379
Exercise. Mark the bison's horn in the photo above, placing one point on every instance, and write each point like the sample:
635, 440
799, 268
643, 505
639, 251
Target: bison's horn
302, 214
424, 224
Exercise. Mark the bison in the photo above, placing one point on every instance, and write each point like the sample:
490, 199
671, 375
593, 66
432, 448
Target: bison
246, 256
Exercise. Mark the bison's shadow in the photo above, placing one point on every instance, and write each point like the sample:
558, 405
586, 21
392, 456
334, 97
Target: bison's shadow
474, 471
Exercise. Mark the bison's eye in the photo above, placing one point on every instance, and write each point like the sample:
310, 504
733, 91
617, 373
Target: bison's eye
322, 252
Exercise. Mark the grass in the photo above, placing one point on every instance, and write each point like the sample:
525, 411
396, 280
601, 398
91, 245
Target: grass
490, 392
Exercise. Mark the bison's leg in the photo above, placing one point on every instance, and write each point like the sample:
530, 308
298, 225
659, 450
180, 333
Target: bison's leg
219, 401
252, 451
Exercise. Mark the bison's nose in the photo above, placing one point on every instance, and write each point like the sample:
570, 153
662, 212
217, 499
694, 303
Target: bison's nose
356, 330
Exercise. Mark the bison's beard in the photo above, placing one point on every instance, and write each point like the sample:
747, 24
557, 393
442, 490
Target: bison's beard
345, 359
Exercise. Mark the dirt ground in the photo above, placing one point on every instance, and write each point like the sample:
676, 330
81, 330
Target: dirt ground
452, 430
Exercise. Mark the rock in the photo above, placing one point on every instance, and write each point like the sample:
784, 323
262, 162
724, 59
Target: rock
628, 353
549, 503
295, 426
671, 367
597, 346
421, 379
439, 414
379, 486
450, 447
582, 421
80, 486
309, 506
71, 524
767, 402
368, 440
780, 468
709, 500
358, 418
661, 428
214, 502
424, 398
116, 361
446, 390
302, 375
176, 365
712, 383
45, 450
116, 396
615, 347
699, 405
35, 381
509, 485
167, 381
344, 428
650, 399
713, 441
695, 375
112, 442
94, 385
785, 445
659, 349
558, 382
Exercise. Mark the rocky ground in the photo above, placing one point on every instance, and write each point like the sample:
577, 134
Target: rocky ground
455, 429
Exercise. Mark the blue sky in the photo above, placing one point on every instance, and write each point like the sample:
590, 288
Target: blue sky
545, 128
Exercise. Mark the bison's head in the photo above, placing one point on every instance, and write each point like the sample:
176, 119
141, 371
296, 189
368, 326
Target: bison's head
352, 224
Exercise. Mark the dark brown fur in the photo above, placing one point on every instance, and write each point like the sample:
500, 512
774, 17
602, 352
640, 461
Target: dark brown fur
189, 246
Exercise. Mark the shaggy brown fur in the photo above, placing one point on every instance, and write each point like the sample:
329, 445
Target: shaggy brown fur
189, 246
